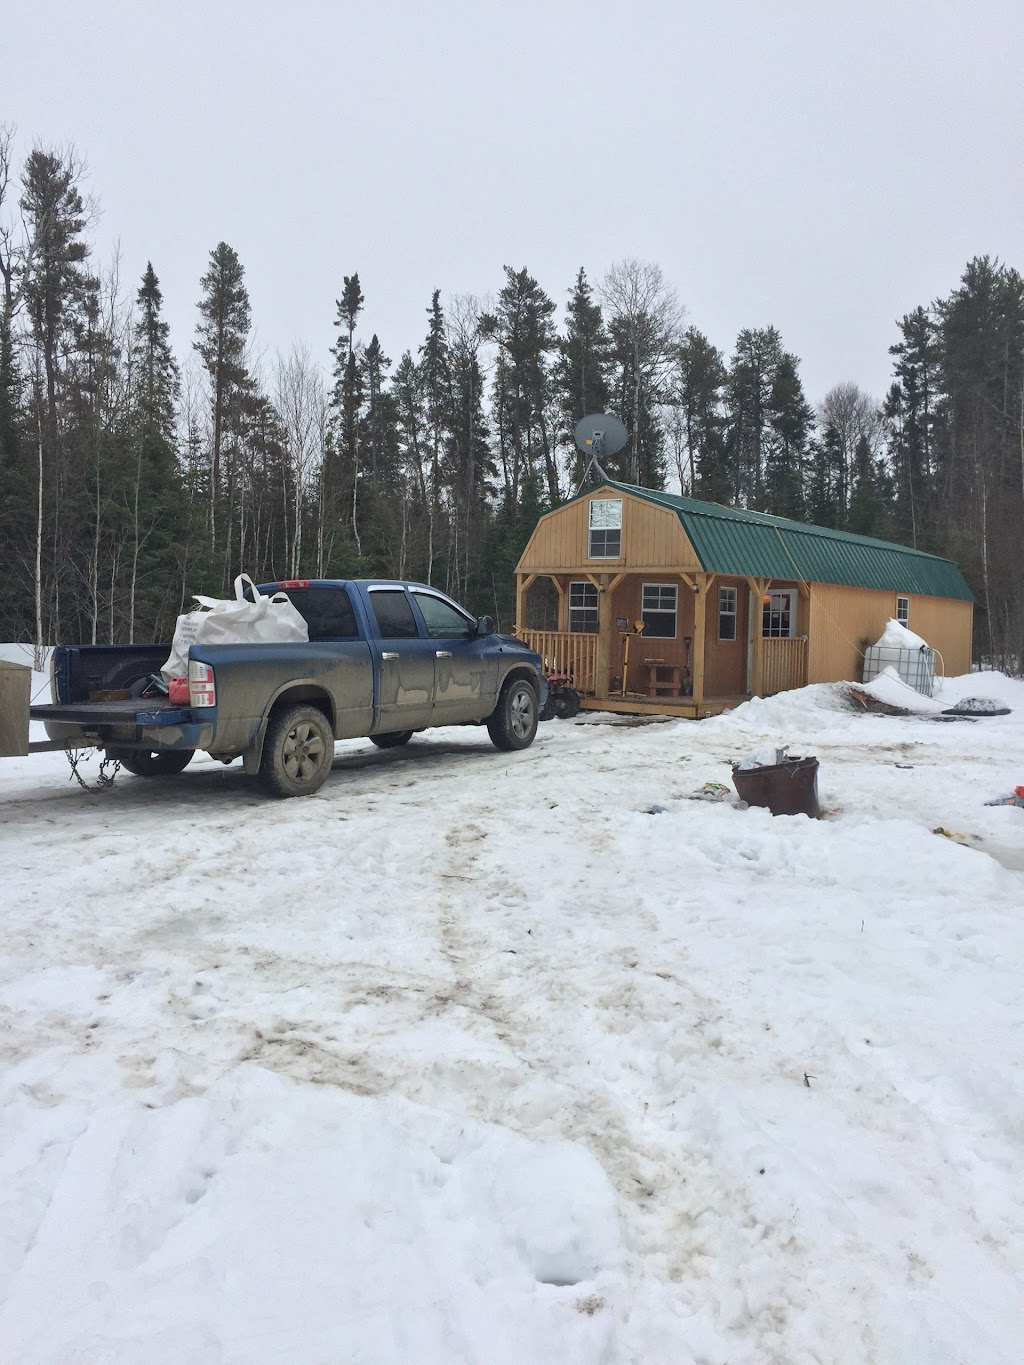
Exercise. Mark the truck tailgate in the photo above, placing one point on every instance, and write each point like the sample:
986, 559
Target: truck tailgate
135, 711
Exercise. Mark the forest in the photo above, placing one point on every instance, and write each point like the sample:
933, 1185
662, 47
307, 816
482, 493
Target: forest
137, 469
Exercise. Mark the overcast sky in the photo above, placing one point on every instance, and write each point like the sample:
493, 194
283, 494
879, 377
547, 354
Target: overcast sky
818, 166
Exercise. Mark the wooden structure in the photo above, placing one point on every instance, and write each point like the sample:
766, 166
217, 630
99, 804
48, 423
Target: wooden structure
669, 605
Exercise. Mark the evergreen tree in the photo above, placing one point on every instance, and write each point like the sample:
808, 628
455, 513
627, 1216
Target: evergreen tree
580, 374
911, 412
696, 394
790, 425
749, 406
223, 333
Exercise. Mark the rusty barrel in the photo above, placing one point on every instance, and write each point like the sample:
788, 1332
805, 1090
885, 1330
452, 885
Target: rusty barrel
787, 788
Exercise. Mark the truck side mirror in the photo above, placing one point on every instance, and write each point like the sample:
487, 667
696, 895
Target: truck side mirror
485, 625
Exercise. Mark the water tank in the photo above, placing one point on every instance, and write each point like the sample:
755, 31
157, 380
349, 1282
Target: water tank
915, 666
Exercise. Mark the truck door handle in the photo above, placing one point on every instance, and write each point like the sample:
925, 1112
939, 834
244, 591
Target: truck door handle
386, 655
442, 654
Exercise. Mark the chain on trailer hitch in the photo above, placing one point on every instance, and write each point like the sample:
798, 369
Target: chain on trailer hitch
109, 768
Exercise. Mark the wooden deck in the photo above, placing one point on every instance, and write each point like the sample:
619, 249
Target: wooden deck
685, 707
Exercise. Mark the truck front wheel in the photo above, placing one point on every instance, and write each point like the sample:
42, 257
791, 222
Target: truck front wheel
297, 753
152, 762
514, 721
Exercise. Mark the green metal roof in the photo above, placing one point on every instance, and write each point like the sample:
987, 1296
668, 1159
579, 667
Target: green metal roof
733, 541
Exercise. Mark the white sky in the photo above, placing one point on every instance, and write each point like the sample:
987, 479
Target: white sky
821, 167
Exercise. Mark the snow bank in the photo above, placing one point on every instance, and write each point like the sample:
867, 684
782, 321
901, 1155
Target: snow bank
522, 1057
890, 688
897, 636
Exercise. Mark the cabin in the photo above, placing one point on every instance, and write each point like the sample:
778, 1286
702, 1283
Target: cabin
664, 604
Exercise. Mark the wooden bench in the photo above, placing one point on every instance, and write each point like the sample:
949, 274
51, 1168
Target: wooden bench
663, 680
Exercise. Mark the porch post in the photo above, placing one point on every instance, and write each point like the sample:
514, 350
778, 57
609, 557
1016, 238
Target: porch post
523, 584
700, 615
758, 586
563, 604
604, 637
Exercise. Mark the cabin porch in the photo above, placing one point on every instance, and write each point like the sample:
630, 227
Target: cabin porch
650, 643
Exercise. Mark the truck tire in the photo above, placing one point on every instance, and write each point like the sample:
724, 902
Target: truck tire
393, 741
152, 763
297, 753
513, 723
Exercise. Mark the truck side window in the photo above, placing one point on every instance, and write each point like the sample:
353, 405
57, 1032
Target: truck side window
328, 612
394, 615
443, 621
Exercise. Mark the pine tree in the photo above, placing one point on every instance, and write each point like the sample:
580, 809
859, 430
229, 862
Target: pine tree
911, 412
223, 333
790, 424
696, 394
749, 398
580, 374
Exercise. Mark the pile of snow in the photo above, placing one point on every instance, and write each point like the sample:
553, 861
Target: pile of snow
897, 636
469, 1058
890, 688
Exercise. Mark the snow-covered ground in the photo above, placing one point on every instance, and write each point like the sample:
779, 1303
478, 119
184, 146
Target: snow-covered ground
522, 1058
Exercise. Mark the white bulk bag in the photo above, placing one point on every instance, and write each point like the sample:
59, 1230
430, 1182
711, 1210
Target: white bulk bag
264, 620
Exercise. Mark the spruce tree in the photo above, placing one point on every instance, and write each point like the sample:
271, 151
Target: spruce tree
580, 374
223, 333
790, 422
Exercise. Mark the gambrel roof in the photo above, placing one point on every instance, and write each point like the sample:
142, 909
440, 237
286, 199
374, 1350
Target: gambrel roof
730, 540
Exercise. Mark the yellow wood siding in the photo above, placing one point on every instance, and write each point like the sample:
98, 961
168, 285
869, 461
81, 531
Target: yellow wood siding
725, 667
651, 538
844, 621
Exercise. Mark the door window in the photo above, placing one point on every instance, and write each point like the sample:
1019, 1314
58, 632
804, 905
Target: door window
778, 615
395, 620
443, 620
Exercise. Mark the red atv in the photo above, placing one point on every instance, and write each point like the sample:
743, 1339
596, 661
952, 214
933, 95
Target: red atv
563, 700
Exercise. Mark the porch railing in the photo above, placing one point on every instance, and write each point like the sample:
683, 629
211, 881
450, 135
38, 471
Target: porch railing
575, 655
783, 665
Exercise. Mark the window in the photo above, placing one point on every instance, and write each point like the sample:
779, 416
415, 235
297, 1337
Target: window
659, 610
778, 617
903, 610
727, 613
582, 609
444, 622
605, 528
394, 614
328, 612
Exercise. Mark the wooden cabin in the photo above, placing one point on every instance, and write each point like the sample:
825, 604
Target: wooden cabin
669, 605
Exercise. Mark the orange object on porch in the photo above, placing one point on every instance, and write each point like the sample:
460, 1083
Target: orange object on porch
658, 684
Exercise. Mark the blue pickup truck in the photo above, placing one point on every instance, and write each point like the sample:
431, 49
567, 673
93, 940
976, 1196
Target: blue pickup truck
384, 660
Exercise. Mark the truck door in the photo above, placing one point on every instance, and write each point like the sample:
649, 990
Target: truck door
341, 660
406, 685
465, 669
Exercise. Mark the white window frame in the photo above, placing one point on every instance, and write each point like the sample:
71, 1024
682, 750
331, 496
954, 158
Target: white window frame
904, 620
724, 611
661, 611
793, 595
608, 526
587, 587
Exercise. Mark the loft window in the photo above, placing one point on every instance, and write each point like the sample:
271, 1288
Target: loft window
903, 610
778, 615
605, 528
659, 610
727, 613
582, 609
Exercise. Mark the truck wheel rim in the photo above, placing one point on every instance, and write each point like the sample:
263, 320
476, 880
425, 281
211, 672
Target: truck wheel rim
303, 752
521, 711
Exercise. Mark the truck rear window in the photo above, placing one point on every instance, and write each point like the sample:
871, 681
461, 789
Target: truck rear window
328, 612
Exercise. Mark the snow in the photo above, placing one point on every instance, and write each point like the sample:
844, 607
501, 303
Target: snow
897, 636
472, 1058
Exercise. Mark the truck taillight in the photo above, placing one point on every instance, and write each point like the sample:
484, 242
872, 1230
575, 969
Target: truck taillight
202, 686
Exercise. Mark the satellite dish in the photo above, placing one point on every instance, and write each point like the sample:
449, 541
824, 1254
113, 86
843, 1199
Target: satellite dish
599, 435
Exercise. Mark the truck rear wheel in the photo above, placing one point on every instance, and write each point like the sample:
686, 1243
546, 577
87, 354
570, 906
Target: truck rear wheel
513, 723
152, 762
298, 752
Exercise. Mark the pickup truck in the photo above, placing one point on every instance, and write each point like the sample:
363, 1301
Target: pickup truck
384, 660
